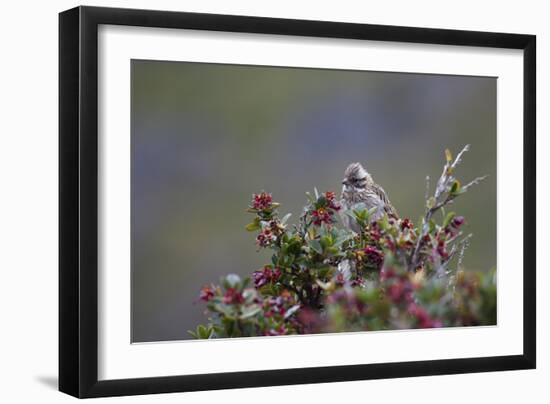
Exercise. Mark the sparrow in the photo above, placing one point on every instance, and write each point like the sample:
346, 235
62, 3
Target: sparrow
359, 188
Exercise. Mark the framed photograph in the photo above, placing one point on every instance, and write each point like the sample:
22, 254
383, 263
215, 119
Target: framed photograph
250, 201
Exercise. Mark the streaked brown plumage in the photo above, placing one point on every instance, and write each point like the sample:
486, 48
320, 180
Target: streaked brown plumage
359, 187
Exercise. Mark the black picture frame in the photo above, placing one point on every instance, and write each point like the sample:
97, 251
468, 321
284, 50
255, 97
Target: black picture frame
78, 201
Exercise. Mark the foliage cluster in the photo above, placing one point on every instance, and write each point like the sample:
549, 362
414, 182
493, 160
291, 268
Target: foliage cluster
324, 277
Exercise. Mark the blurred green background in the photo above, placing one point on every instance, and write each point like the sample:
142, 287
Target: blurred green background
206, 136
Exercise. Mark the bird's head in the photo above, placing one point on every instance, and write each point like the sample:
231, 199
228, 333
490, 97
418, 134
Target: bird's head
355, 178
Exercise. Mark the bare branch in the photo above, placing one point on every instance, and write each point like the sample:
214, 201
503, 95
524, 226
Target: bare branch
445, 192
458, 158
474, 182
464, 244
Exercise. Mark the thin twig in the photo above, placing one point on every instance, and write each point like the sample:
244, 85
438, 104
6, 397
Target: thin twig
443, 187
458, 159
464, 244
473, 182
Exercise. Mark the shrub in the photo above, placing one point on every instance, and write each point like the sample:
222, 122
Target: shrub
324, 277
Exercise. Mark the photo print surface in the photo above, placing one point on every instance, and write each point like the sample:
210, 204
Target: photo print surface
271, 201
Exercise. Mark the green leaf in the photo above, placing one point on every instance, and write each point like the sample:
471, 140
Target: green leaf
316, 193
255, 225
285, 218
321, 202
455, 188
325, 272
202, 332
284, 248
326, 241
250, 311
316, 246
340, 239
223, 309
384, 222
324, 285
358, 215
332, 250
268, 290
448, 155
448, 219
249, 295
229, 325
294, 246
232, 281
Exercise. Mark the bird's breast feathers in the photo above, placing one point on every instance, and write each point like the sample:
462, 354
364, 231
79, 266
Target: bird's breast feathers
371, 197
